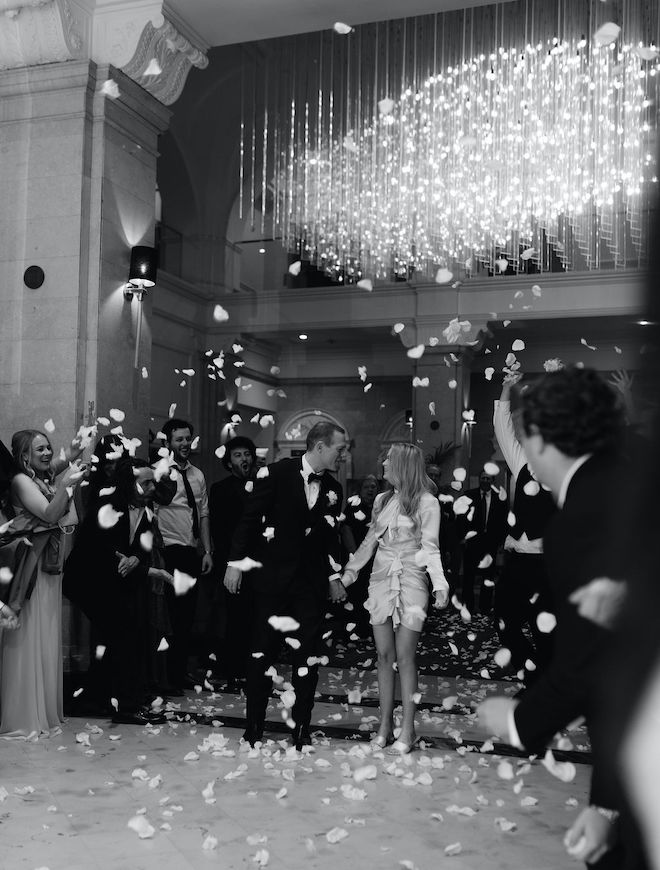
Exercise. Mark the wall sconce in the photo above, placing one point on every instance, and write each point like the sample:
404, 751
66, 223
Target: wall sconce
142, 271
141, 275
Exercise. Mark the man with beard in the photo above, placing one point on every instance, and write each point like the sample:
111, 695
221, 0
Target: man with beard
226, 504
183, 523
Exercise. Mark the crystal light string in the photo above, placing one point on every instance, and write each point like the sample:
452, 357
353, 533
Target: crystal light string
516, 143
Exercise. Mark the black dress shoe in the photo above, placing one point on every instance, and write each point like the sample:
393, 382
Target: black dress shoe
253, 735
301, 737
138, 717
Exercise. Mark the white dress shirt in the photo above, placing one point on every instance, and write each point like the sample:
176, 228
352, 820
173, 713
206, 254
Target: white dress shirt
312, 489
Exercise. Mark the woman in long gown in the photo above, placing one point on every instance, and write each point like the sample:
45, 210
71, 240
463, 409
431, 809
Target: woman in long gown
404, 528
31, 675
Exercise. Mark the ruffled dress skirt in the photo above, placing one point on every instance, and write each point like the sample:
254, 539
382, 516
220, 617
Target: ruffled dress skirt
398, 586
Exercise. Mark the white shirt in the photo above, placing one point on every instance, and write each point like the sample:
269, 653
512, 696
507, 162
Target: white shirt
312, 489
175, 519
516, 460
514, 738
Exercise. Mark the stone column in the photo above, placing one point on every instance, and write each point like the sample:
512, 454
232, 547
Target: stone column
77, 176
438, 407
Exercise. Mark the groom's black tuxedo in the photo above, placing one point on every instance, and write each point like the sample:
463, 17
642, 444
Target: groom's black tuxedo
296, 555
579, 546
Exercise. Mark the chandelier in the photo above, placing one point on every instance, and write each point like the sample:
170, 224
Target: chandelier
500, 139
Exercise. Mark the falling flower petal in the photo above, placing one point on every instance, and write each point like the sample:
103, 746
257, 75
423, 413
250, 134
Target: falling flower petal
492, 469
553, 365
453, 849
527, 254
502, 657
283, 623
563, 770
452, 384
153, 69
398, 327
546, 622
183, 583
110, 88
518, 345
415, 352
607, 33
432, 408
219, 314
163, 645
420, 382
489, 372
107, 516
486, 562
294, 268
365, 284
341, 28
506, 322
443, 276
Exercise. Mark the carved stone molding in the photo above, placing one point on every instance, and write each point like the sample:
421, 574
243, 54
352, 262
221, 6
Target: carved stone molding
38, 31
132, 35
162, 60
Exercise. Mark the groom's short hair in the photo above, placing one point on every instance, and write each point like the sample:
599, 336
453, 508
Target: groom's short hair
322, 431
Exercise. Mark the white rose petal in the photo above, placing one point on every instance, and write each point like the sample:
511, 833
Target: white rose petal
107, 516
546, 622
219, 314
183, 583
283, 623
141, 826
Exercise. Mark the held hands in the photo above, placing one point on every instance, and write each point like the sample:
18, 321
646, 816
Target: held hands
590, 836
126, 564
441, 598
232, 580
337, 591
207, 563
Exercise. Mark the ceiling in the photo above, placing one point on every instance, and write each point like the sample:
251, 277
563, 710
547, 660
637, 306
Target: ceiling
224, 22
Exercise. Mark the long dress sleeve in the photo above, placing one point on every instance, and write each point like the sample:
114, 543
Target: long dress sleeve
505, 435
429, 555
357, 560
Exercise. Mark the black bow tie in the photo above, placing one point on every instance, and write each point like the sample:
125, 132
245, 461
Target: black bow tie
314, 476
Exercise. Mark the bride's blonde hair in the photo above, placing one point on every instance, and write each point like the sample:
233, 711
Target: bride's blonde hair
409, 477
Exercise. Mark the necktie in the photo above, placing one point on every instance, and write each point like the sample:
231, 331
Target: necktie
485, 510
314, 477
191, 502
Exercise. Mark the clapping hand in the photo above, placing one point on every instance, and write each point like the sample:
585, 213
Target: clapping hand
126, 564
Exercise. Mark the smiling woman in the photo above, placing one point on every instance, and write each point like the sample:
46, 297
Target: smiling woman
31, 675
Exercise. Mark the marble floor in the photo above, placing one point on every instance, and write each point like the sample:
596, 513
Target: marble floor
195, 798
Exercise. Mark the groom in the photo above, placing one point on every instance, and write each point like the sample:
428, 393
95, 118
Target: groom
290, 527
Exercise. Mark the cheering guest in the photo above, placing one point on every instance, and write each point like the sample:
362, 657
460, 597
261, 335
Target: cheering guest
227, 500
299, 501
523, 589
31, 676
183, 523
404, 534
570, 427
482, 532
110, 574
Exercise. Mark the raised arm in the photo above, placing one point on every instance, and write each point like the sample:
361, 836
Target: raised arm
34, 501
505, 433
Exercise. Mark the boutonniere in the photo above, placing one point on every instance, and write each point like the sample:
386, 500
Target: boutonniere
332, 497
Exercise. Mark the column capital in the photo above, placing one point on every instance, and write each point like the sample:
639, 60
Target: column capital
132, 35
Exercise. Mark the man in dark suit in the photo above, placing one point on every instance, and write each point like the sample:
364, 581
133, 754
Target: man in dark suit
290, 527
227, 500
108, 574
570, 426
481, 530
